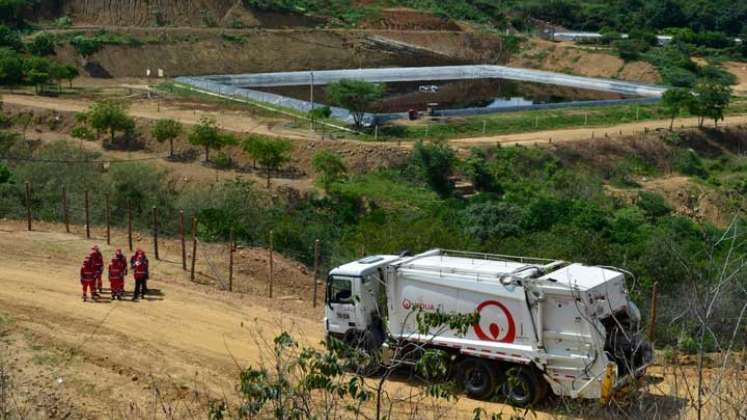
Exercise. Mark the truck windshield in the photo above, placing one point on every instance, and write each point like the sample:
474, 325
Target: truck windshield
340, 289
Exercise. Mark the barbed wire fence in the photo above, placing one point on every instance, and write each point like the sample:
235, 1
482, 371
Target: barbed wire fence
238, 265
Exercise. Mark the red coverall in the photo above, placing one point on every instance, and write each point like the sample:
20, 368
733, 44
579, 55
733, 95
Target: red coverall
140, 273
87, 278
98, 263
117, 272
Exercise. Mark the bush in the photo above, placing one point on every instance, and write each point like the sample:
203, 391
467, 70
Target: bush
653, 205
42, 45
492, 220
434, 162
687, 162
63, 22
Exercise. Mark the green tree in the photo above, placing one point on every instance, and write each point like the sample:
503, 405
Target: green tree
24, 119
476, 168
10, 11
270, 153
711, 100
109, 115
435, 163
42, 44
11, 67
356, 96
674, 101
69, 73
206, 134
10, 39
330, 167
167, 130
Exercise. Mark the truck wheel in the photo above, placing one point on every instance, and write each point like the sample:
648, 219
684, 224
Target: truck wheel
477, 377
523, 387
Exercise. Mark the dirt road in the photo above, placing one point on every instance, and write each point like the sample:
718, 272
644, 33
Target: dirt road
167, 356
241, 122
155, 110
589, 133
176, 349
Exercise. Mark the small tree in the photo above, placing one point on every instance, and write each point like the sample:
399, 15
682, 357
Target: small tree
109, 115
356, 96
42, 45
206, 134
24, 120
674, 101
69, 73
711, 100
270, 153
165, 130
435, 162
330, 166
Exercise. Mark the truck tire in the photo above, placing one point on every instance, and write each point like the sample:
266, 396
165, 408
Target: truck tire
523, 387
477, 377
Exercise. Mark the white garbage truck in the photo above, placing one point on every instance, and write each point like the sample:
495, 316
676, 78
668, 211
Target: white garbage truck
567, 328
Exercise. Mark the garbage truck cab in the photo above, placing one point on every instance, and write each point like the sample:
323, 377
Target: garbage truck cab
562, 327
354, 296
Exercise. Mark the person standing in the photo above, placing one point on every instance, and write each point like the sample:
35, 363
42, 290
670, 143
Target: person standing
98, 263
117, 272
140, 273
140, 254
121, 259
87, 278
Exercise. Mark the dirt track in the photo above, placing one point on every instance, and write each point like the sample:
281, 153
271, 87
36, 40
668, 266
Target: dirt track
101, 360
179, 348
240, 122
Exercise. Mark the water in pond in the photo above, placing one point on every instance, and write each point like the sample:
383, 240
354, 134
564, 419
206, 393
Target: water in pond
454, 94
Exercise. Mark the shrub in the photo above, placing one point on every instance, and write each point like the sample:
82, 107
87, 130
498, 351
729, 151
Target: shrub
653, 205
492, 220
42, 44
689, 163
435, 163
330, 167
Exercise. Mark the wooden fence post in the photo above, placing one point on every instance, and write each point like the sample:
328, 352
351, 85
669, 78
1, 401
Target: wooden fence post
194, 247
28, 205
270, 266
652, 326
231, 250
108, 222
316, 269
155, 232
65, 215
181, 237
129, 224
88, 217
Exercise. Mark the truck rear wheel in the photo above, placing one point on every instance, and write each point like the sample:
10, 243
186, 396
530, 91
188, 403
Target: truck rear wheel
477, 377
523, 387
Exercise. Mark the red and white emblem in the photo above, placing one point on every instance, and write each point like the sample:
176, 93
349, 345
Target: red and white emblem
496, 323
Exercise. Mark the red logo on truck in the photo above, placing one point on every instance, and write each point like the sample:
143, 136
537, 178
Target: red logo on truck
497, 320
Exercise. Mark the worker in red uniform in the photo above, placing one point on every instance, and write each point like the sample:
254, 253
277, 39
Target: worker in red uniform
117, 272
140, 254
98, 262
140, 273
121, 259
87, 278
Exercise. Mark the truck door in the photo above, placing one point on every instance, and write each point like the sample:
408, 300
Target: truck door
341, 304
